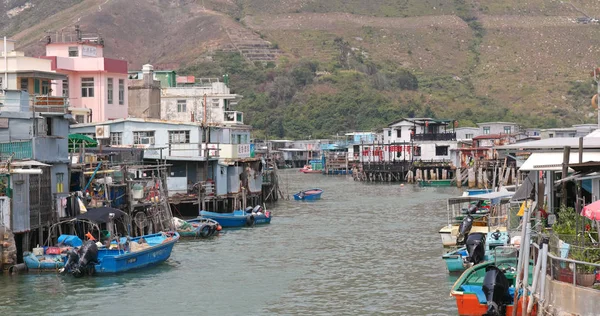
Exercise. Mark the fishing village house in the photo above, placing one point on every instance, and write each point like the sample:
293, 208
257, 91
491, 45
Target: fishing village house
212, 157
95, 85
34, 129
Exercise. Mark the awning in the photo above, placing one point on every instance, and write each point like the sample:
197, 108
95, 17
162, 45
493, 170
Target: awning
28, 163
552, 161
524, 191
100, 214
494, 197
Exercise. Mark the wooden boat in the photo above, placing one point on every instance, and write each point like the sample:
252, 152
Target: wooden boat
436, 183
455, 259
308, 195
491, 214
471, 300
197, 227
239, 218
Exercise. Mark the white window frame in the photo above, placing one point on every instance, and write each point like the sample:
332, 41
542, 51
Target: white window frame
121, 91
65, 88
486, 130
73, 51
143, 137
87, 87
507, 130
116, 138
179, 137
110, 92
181, 106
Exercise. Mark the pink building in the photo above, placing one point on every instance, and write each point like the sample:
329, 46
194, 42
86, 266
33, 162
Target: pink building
96, 86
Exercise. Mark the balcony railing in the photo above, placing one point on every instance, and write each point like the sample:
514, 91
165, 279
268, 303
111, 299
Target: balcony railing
21, 149
234, 117
434, 137
49, 104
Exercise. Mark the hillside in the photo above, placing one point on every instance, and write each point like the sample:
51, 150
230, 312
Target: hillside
473, 60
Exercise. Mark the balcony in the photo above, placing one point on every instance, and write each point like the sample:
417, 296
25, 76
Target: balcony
49, 104
21, 149
234, 117
434, 137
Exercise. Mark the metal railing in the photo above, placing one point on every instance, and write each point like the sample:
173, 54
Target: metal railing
434, 137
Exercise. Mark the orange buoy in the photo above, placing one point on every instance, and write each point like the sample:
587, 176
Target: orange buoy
595, 101
219, 228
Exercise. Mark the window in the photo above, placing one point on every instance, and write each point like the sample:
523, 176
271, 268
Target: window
572, 134
179, 137
486, 130
181, 106
507, 130
1, 84
215, 102
73, 51
469, 136
87, 87
441, 150
24, 84
109, 90
121, 91
417, 150
60, 178
45, 87
145, 138
65, 88
551, 135
399, 132
390, 133
116, 138
80, 118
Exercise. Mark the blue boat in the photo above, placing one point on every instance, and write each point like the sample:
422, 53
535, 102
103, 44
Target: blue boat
308, 195
200, 227
239, 218
157, 249
456, 260
44, 262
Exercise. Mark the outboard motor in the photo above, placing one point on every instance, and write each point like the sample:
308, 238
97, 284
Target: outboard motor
464, 229
82, 261
248, 209
475, 248
257, 209
495, 287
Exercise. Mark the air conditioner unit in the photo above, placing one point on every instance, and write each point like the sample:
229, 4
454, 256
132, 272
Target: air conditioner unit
102, 132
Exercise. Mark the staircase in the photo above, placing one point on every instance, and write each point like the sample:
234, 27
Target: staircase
251, 46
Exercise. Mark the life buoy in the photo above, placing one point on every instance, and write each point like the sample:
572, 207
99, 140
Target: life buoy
250, 220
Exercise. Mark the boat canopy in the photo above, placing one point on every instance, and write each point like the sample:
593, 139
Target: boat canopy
494, 197
100, 214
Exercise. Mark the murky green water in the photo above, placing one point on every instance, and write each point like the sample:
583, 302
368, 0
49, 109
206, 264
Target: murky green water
363, 249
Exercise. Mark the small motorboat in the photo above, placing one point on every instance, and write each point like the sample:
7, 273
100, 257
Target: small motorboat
197, 227
240, 218
121, 256
489, 289
478, 247
309, 169
308, 195
51, 258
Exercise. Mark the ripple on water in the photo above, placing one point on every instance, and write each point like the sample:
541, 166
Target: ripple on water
363, 249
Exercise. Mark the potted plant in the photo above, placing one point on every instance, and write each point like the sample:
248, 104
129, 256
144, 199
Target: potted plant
586, 274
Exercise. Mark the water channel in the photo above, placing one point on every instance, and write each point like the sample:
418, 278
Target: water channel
364, 249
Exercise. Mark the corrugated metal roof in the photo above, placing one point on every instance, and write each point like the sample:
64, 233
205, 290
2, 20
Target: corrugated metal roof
552, 161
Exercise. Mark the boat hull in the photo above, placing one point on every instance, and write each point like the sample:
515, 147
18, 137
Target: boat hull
308, 195
115, 261
236, 219
33, 262
202, 228
435, 183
